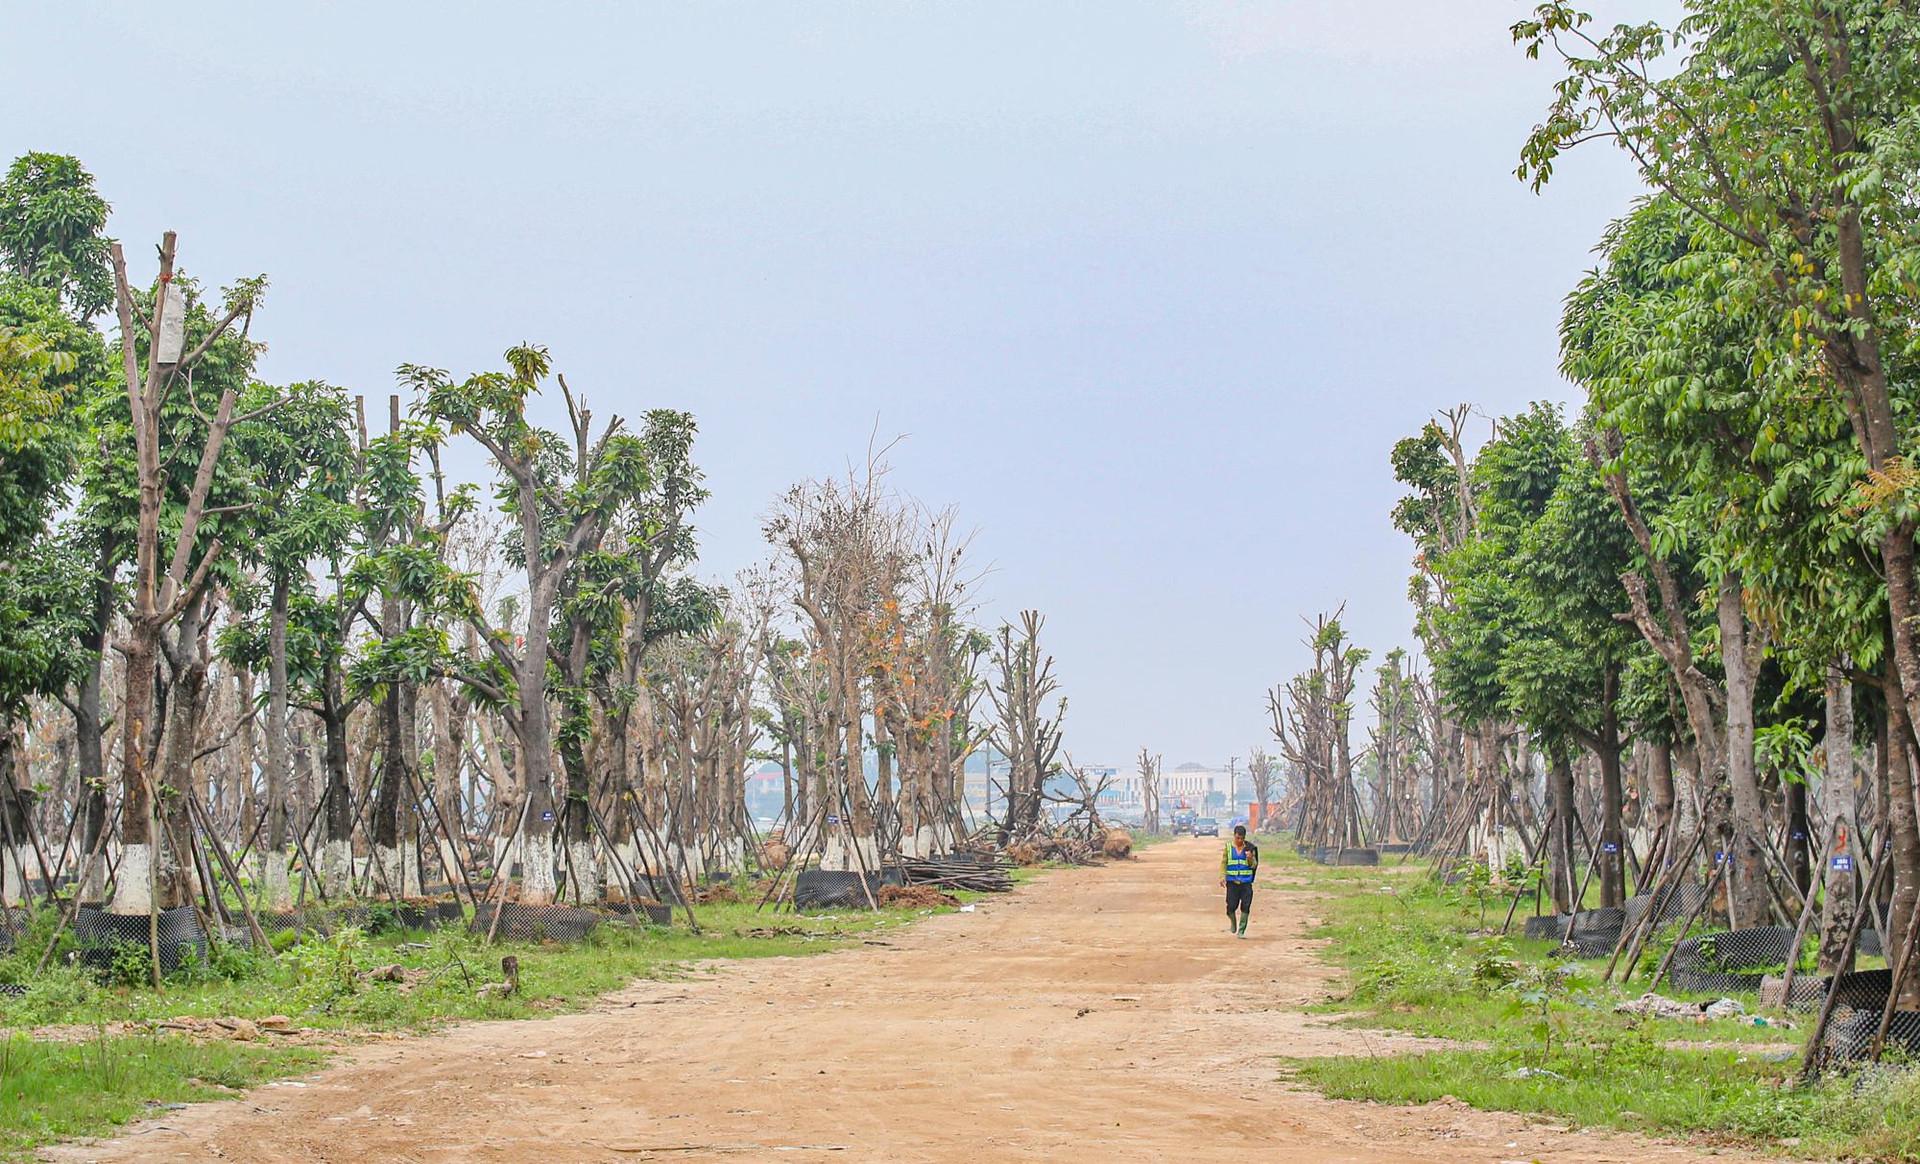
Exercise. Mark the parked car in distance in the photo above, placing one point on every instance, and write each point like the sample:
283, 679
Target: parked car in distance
1206, 826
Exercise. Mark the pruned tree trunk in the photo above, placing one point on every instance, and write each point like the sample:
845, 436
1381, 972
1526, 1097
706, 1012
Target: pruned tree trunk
1836, 795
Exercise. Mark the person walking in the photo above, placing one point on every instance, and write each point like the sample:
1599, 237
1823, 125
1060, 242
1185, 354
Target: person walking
1238, 864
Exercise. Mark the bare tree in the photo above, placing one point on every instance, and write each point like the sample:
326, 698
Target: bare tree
1262, 771
845, 546
1148, 766
1027, 715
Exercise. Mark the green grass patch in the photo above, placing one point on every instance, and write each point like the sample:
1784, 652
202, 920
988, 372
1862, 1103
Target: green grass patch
322, 980
1539, 1034
53, 1091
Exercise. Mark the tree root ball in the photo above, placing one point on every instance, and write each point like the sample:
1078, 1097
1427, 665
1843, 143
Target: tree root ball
914, 897
1117, 843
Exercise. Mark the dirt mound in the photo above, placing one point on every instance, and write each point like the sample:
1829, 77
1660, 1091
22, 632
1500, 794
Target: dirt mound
1117, 843
915, 897
1025, 853
775, 853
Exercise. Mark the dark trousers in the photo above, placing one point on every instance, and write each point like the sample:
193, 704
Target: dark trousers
1239, 899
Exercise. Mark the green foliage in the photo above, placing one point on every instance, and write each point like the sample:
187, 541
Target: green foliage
326, 968
52, 231
1752, 334
1528, 630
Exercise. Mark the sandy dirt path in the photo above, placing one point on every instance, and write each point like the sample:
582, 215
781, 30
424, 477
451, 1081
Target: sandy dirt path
1101, 1014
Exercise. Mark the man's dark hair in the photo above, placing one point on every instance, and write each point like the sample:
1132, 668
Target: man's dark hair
1239, 830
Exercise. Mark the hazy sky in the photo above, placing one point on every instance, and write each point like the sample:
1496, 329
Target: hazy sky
1150, 289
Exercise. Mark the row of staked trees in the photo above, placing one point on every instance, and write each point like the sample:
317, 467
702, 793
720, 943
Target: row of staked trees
1675, 632
249, 626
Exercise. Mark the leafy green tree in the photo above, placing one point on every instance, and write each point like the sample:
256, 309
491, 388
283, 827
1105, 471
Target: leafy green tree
53, 231
48, 363
1530, 632
420, 597
304, 468
1788, 132
563, 497
1756, 485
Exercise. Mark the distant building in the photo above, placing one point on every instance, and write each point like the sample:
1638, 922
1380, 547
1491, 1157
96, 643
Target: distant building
1194, 786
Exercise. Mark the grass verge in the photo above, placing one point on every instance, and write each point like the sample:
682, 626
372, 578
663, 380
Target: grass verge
56, 1090
1539, 1035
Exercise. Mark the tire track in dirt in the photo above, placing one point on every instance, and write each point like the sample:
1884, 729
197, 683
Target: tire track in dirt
1103, 1013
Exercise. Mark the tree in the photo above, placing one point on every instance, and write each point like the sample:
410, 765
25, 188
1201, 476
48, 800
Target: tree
52, 231
563, 497
1262, 770
1028, 711
304, 465
1148, 767
163, 592
1787, 134
846, 549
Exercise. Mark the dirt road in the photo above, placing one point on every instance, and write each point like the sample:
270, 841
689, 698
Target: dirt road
1103, 1014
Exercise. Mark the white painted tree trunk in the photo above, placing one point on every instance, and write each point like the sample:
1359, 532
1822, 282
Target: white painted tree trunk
925, 841
536, 874
635, 859
1497, 842
863, 852
275, 879
583, 863
398, 869
93, 880
133, 881
336, 867
15, 873
449, 867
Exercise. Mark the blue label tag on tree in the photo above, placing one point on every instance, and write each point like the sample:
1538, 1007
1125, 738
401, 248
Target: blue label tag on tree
1798, 835
1719, 856
833, 820
547, 815
1843, 863
1609, 846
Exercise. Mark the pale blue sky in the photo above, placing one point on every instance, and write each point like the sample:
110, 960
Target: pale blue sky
1151, 288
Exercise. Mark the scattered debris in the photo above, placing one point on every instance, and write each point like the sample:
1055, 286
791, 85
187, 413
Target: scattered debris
238, 1029
1725, 1008
510, 967
1659, 1006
